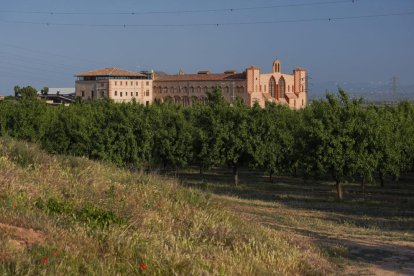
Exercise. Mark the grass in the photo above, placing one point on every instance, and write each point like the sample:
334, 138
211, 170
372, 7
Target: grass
381, 217
97, 219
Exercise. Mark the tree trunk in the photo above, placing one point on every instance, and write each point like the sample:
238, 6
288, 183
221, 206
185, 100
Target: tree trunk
381, 175
296, 171
165, 168
339, 188
236, 180
271, 175
201, 169
363, 185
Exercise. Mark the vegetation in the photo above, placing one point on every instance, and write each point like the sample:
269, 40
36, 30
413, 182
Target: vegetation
337, 137
96, 219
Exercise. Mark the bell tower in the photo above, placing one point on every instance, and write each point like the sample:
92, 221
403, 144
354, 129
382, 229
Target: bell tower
276, 66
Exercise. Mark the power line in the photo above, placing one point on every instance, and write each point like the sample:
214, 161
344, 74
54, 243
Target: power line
36, 68
182, 11
207, 24
25, 71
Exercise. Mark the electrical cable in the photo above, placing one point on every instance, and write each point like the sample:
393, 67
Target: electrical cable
183, 11
208, 24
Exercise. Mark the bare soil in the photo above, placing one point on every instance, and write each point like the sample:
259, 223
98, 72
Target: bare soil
23, 238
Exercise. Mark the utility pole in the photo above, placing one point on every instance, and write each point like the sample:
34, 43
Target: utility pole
307, 83
394, 82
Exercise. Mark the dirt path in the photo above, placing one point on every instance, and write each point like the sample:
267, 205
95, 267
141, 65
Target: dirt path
24, 238
365, 255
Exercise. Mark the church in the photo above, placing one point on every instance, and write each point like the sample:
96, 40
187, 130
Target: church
250, 85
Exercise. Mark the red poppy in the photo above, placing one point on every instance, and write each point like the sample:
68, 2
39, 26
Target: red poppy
54, 253
44, 260
178, 216
15, 206
143, 266
140, 194
139, 206
159, 205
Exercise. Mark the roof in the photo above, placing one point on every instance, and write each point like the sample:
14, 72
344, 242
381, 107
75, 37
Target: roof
109, 72
292, 95
253, 67
299, 69
201, 77
61, 90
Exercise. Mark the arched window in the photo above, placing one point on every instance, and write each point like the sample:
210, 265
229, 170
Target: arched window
185, 90
179, 90
103, 94
120, 94
126, 94
226, 89
171, 89
136, 94
116, 93
205, 89
272, 85
281, 88
165, 90
199, 89
191, 89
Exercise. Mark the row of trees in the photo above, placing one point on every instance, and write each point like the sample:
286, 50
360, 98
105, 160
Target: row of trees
28, 92
335, 137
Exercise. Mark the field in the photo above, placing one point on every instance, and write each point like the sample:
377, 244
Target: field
62, 215
371, 234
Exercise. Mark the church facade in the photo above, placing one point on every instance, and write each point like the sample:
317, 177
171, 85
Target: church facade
251, 86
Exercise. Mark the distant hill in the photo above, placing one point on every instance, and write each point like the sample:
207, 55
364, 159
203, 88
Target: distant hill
371, 92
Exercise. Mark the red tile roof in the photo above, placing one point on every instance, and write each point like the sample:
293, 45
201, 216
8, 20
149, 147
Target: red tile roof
253, 67
201, 77
109, 72
299, 69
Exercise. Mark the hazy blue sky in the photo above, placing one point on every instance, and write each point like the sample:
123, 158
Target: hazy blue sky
361, 50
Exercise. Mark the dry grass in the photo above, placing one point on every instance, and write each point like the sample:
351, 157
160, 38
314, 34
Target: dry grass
103, 220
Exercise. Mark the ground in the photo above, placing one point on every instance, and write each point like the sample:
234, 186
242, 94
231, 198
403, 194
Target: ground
366, 234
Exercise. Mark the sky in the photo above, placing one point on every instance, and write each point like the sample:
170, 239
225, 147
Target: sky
169, 35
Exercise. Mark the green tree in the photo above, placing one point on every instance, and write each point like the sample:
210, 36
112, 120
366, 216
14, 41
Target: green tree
45, 91
329, 147
28, 92
16, 90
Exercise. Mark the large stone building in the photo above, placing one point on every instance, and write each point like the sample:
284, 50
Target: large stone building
119, 85
251, 86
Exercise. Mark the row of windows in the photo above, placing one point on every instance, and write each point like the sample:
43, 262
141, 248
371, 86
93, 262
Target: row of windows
131, 83
131, 94
289, 87
238, 89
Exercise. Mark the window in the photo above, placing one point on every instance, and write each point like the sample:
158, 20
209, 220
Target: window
147, 83
205, 89
226, 89
281, 87
147, 92
199, 89
147, 103
191, 89
294, 103
288, 88
165, 90
136, 94
121, 83
120, 94
116, 93
265, 88
171, 89
83, 93
92, 94
132, 83
102, 84
272, 85
179, 89
185, 89
116, 83
260, 88
302, 102
242, 89
136, 83
103, 94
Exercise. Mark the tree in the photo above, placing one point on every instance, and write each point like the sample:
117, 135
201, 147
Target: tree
45, 90
207, 131
328, 134
16, 90
28, 92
